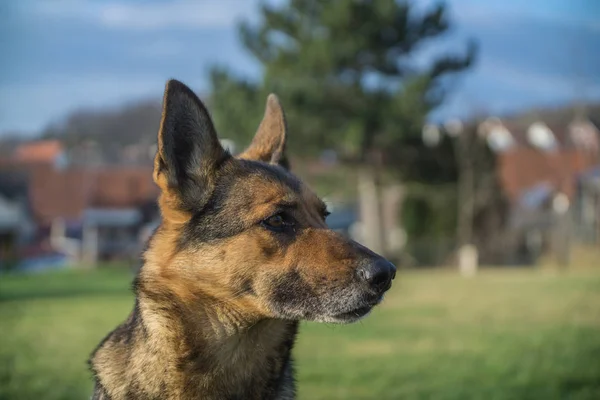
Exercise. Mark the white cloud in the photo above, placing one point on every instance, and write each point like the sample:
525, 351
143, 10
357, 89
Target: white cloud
185, 14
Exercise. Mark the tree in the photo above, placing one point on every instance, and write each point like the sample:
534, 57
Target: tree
348, 76
346, 72
482, 206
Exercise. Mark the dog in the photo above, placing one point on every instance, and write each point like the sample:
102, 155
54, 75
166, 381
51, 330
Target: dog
243, 253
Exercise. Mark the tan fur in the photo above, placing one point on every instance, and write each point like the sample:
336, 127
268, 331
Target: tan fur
216, 313
268, 144
234, 330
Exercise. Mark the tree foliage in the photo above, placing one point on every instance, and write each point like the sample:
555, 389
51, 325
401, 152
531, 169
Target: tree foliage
354, 76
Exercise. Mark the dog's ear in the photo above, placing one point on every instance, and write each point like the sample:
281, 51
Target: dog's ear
268, 144
189, 153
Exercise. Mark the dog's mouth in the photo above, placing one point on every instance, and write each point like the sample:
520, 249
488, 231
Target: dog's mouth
353, 315
357, 313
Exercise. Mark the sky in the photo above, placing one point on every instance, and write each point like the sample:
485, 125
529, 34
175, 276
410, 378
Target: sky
62, 55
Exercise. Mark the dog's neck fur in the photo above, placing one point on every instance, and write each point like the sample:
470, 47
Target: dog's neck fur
205, 349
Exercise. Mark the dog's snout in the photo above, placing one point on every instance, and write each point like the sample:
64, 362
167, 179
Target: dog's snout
378, 274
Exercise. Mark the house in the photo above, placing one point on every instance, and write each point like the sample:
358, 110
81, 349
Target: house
70, 204
16, 228
541, 168
587, 206
103, 207
110, 233
48, 152
68, 193
534, 153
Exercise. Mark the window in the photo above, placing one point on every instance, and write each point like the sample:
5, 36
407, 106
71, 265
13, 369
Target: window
540, 136
500, 139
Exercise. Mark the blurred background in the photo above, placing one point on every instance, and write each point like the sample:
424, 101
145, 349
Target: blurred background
461, 139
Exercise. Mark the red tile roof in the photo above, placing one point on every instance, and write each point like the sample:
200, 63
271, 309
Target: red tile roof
54, 193
38, 151
523, 167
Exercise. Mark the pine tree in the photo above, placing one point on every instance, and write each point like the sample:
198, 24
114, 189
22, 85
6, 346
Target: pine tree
347, 72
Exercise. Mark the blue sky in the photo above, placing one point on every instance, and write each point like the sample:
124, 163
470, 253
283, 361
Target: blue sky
62, 55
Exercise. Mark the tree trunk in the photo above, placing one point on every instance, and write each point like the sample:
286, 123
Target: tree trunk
395, 237
371, 202
468, 257
370, 210
377, 165
466, 190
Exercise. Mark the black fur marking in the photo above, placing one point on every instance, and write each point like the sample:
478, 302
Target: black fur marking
268, 250
100, 392
294, 297
220, 216
124, 333
275, 368
284, 162
135, 391
246, 287
191, 151
278, 380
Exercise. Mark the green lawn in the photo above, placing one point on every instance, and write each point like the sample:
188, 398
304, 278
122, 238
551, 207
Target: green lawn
506, 334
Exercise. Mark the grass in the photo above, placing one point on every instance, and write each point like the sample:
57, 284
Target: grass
506, 334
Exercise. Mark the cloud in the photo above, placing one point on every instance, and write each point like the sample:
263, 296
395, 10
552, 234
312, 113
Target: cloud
182, 14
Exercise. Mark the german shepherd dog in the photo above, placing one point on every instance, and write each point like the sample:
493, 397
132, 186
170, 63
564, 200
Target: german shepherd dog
242, 254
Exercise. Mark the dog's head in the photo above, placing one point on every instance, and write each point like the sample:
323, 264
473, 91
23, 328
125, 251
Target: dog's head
245, 230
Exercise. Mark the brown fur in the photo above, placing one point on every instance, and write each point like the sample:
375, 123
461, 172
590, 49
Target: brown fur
223, 287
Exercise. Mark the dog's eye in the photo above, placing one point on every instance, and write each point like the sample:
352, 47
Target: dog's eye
276, 223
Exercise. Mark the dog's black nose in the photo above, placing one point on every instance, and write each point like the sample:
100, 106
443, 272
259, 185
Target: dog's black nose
378, 274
